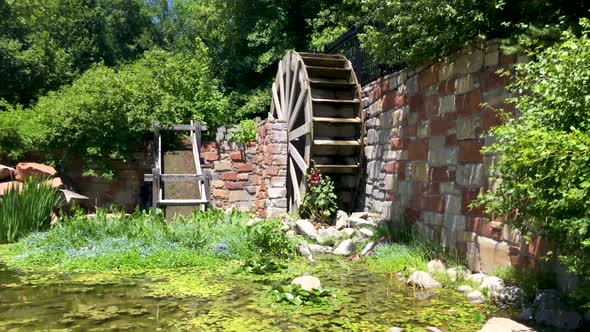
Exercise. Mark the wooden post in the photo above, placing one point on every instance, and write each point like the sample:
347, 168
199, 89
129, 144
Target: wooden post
155, 188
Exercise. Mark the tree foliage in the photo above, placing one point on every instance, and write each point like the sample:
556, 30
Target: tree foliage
544, 169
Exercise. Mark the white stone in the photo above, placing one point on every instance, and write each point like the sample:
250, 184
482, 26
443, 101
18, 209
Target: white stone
365, 233
307, 282
328, 236
345, 248
306, 228
422, 279
360, 222
492, 284
497, 324
361, 215
477, 278
458, 273
367, 248
436, 265
304, 250
341, 219
475, 297
347, 233
432, 329
395, 329
464, 289
318, 249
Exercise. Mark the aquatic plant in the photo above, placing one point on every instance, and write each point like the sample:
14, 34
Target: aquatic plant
27, 210
296, 295
262, 265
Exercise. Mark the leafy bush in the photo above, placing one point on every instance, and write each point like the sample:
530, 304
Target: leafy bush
270, 240
26, 211
542, 175
119, 241
319, 202
245, 132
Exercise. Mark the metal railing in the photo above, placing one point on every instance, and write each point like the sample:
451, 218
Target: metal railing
349, 45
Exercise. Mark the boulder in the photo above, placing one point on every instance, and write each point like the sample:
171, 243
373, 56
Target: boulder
306, 228
361, 223
422, 279
345, 248
432, 329
367, 248
341, 219
304, 250
328, 236
27, 170
361, 215
509, 296
560, 319
366, 233
475, 297
307, 282
347, 233
477, 278
395, 329
6, 173
5, 186
464, 289
317, 249
458, 273
526, 315
55, 183
436, 265
504, 325
493, 284
290, 234
547, 299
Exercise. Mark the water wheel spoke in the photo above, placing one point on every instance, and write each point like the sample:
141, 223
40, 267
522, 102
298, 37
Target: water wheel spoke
294, 184
295, 111
297, 158
275, 99
300, 131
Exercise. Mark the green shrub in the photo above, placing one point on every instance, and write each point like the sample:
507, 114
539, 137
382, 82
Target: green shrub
26, 211
319, 202
245, 132
542, 177
269, 239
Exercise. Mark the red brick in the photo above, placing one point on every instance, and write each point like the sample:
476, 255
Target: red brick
440, 126
233, 176
271, 171
262, 214
416, 102
392, 167
416, 202
461, 247
468, 196
428, 76
514, 250
231, 185
447, 87
244, 168
389, 101
400, 100
396, 143
451, 140
435, 203
539, 246
469, 102
418, 150
431, 188
236, 155
411, 216
491, 232
431, 106
439, 174
474, 224
470, 151
490, 118
410, 130
489, 80
515, 260
275, 148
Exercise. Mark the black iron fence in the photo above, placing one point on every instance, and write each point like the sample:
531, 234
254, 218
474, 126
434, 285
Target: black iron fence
349, 45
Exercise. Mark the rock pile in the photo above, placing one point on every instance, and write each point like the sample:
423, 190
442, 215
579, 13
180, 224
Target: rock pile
14, 177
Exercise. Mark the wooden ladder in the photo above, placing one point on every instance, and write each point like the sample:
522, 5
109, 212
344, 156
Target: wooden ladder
157, 177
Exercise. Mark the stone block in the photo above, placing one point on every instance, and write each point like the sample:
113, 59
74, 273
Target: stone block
417, 150
432, 218
469, 103
412, 85
372, 136
218, 184
277, 192
423, 129
467, 127
220, 193
446, 71
390, 182
493, 254
453, 204
470, 151
489, 162
397, 117
495, 97
232, 185
239, 195
447, 104
449, 188
442, 156
472, 256
222, 166
465, 84
420, 171
470, 175
229, 176
278, 182
469, 61
454, 226
26, 170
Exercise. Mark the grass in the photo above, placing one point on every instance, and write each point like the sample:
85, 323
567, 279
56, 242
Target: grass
146, 241
26, 211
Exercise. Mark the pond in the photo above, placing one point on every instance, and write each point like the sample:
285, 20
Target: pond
219, 299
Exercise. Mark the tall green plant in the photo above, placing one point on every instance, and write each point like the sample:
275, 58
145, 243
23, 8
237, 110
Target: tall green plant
319, 202
27, 210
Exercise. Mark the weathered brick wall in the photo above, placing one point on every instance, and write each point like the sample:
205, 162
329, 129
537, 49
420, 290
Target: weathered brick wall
271, 169
424, 133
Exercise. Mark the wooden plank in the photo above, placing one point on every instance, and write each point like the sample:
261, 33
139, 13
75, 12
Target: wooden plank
337, 120
293, 85
275, 99
182, 202
295, 111
297, 158
296, 133
336, 101
155, 189
324, 62
188, 127
331, 84
281, 85
295, 184
337, 142
320, 55
177, 177
288, 96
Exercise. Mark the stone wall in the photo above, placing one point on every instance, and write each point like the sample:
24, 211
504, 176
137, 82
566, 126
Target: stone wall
271, 169
425, 129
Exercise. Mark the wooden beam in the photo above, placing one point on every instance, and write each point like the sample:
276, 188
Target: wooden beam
155, 189
295, 184
297, 158
182, 202
300, 131
188, 127
295, 111
293, 85
176, 177
275, 98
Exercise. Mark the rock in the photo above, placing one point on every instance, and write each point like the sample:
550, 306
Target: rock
504, 325
366, 233
290, 234
360, 215
328, 236
395, 329
432, 329
477, 277
26, 170
561, 319
55, 183
509, 296
367, 248
307, 282
464, 289
361, 223
317, 249
436, 265
341, 219
347, 233
304, 250
306, 228
345, 248
526, 315
547, 299
493, 284
6, 172
5, 186
422, 279
475, 297
458, 273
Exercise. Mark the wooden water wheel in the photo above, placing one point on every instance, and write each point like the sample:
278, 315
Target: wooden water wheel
318, 95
